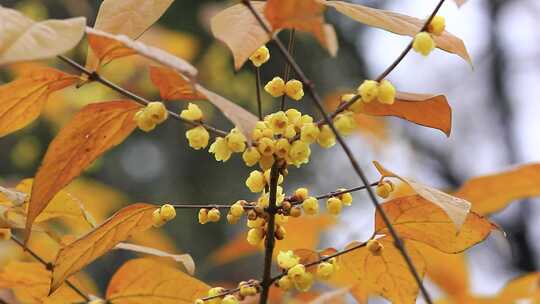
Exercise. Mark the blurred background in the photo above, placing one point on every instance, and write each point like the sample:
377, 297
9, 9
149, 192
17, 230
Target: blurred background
495, 125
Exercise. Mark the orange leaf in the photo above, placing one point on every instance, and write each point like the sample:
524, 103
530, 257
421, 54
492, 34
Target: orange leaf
92, 131
522, 289
303, 15
416, 218
22, 100
399, 24
106, 49
432, 111
124, 223
172, 85
148, 281
491, 193
387, 273
456, 208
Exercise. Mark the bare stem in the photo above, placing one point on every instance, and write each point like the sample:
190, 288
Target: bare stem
270, 240
49, 266
258, 86
318, 103
143, 101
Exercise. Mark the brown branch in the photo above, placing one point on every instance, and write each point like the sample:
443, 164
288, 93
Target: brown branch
258, 87
318, 103
287, 69
270, 241
96, 77
49, 266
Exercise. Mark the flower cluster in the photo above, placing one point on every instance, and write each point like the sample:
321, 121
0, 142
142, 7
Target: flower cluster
297, 274
219, 295
423, 42
150, 116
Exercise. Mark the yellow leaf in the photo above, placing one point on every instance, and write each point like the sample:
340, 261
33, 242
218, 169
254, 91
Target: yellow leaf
22, 39
147, 281
491, 193
172, 85
448, 271
416, 218
126, 222
244, 120
456, 208
150, 52
387, 273
432, 111
22, 100
303, 15
92, 131
240, 31
30, 283
129, 17
399, 24
185, 259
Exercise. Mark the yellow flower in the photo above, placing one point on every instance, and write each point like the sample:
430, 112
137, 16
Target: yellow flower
387, 92
213, 292
282, 147
326, 137
192, 113
198, 137
296, 272
237, 209
221, 150
299, 153
266, 146
294, 89
287, 259
256, 182
325, 270
285, 283
346, 198
157, 220
251, 156
255, 236
143, 121
368, 90
275, 87
167, 212
236, 141
309, 132
304, 282
437, 25
345, 123
157, 112
293, 115
384, 189
333, 205
203, 216
278, 122
260, 56
214, 215
423, 43
310, 206
301, 194
230, 299
266, 162
375, 247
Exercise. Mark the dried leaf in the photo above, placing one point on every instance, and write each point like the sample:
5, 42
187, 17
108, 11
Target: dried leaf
30, 283
185, 259
399, 24
172, 86
22, 39
124, 223
491, 193
432, 111
244, 120
303, 15
240, 31
92, 131
416, 218
456, 208
147, 281
129, 17
22, 100
386, 274
150, 52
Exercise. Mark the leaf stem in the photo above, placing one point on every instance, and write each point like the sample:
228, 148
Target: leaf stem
97, 77
49, 266
318, 103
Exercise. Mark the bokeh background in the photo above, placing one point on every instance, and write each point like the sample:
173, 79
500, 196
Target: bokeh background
495, 125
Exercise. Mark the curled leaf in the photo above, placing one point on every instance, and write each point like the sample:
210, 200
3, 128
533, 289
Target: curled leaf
399, 24
95, 129
148, 281
456, 208
124, 223
22, 100
185, 259
22, 39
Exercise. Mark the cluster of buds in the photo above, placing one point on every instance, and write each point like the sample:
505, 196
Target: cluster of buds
163, 214
153, 114
298, 276
423, 42
219, 295
384, 188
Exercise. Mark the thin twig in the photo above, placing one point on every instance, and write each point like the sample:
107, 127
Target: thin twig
49, 266
270, 241
258, 86
318, 103
287, 69
143, 101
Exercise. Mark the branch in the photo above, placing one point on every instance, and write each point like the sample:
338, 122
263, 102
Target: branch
318, 103
96, 77
258, 87
287, 69
49, 266
270, 240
